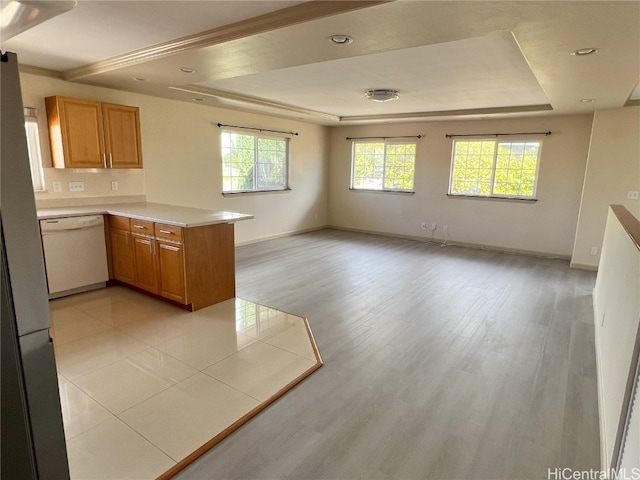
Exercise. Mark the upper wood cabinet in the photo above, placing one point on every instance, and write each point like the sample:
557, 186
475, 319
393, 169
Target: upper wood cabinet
89, 134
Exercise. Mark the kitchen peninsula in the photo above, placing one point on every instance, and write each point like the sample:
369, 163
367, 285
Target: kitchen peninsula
183, 254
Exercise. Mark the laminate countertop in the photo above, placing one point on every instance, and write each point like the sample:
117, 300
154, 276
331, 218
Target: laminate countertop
153, 212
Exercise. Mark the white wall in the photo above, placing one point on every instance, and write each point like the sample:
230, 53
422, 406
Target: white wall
182, 162
185, 168
616, 301
547, 226
613, 168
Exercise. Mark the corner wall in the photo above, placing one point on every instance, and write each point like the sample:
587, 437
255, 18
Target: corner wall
613, 169
546, 226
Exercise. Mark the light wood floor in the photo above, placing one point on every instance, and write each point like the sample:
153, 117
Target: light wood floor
440, 363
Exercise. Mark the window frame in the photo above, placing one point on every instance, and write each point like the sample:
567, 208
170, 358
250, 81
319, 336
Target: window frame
256, 136
493, 195
32, 133
387, 143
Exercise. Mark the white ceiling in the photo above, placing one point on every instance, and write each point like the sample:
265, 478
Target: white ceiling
448, 59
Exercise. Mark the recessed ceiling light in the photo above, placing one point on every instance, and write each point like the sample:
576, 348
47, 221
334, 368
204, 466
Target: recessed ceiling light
140, 79
582, 52
587, 100
340, 39
187, 70
198, 99
382, 95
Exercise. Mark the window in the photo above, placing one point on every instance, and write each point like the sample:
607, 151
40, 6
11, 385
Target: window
386, 166
490, 168
253, 163
33, 146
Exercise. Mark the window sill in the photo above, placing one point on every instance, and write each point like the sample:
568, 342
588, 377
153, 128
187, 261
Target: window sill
396, 192
254, 192
502, 199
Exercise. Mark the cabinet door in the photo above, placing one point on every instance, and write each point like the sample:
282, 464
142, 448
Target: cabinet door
172, 272
122, 256
75, 132
146, 269
122, 136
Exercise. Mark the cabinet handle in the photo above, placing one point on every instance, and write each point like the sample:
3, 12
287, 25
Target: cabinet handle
104, 159
169, 247
110, 161
167, 232
139, 226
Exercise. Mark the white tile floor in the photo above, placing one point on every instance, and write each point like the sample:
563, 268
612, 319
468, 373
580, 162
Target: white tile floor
143, 383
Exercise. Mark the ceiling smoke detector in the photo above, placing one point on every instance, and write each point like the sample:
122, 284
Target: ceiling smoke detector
382, 95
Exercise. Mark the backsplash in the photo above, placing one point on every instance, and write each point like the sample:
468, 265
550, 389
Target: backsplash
89, 186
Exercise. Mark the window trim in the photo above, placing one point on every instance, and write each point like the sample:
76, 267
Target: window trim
493, 196
386, 142
32, 133
286, 138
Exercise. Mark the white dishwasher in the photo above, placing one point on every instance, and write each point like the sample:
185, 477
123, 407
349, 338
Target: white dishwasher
75, 254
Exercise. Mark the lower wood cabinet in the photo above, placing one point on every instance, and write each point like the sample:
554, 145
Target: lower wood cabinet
192, 266
122, 267
172, 271
145, 263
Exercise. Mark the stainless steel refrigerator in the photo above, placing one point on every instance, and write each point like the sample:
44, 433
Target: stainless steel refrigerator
33, 444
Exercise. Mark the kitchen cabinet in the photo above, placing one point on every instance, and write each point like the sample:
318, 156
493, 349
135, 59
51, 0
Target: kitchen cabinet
122, 267
90, 134
171, 263
193, 266
145, 263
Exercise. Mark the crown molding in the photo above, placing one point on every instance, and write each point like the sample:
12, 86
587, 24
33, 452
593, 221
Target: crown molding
43, 72
447, 113
234, 97
295, 14
291, 110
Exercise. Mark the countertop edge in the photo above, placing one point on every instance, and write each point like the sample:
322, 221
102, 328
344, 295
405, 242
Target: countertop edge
77, 211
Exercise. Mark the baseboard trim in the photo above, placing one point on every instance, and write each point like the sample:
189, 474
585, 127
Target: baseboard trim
584, 266
439, 241
281, 235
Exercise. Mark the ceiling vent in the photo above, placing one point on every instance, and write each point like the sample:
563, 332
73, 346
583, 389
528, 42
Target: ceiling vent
382, 95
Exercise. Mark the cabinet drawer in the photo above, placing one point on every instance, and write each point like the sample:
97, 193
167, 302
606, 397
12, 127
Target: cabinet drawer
143, 227
169, 232
119, 222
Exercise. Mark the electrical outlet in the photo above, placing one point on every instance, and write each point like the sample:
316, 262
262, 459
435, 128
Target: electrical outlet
632, 195
114, 185
444, 228
434, 226
424, 226
76, 186
594, 250
57, 187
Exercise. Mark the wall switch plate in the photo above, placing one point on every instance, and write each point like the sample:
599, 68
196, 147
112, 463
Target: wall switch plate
434, 226
57, 187
632, 195
594, 250
76, 186
114, 185
424, 226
